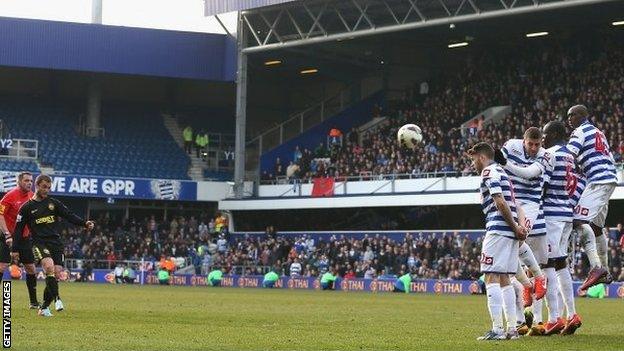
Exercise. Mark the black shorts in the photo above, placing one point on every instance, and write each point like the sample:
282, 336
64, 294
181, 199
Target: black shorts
26, 254
52, 249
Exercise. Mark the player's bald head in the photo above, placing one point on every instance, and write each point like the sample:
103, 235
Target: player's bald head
577, 114
578, 109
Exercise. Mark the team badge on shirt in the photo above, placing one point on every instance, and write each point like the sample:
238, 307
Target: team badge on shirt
51, 206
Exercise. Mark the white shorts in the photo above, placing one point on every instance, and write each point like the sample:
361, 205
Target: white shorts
499, 254
593, 205
534, 218
539, 246
558, 238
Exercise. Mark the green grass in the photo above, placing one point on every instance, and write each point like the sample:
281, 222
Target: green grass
109, 317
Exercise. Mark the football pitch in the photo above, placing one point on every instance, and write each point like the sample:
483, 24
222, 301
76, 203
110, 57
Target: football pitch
119, 317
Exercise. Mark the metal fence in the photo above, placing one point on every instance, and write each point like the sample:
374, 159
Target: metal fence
369, 176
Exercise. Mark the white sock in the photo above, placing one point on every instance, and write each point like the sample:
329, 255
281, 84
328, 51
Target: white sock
589, 243
509, 306
521, 276
567, 290
518, 288
551, 294
495, 305
528, 258
537, 310
602, 248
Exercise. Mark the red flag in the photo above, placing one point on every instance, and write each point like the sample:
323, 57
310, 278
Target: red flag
323, 187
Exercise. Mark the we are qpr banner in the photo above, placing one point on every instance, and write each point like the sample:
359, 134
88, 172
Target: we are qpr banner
113, 187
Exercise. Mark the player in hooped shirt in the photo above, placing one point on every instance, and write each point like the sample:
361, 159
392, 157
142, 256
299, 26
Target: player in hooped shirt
9, 208
499, 253
590, 148
560, 185
528, 191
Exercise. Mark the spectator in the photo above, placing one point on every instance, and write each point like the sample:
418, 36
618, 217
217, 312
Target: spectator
187, 135
211, 226
335, 136
295, 268
292, 171
424, 88
320, 151
202, 145
199, 140
297, 155
86, 272
119, 270
163, 277
129, 275
203, 229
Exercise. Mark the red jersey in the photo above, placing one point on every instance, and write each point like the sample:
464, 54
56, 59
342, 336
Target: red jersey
10, 206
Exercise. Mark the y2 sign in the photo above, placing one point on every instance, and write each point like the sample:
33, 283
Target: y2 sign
6, 144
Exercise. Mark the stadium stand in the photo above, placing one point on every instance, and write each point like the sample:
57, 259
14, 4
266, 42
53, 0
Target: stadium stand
539, 88
436, 255
127, 149
18, 165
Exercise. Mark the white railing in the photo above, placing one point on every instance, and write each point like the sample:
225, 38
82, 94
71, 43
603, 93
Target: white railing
19, 148
368, 176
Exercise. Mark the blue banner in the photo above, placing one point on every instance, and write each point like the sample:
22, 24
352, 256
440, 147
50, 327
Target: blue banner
114, 187
432, 286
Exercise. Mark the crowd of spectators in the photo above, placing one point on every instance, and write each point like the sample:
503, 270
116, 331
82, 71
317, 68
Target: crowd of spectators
147, 239
538, 87
448, 255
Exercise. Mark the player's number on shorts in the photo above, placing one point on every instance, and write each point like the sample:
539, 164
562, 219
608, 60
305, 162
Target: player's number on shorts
486, 259
527, 224
583, 211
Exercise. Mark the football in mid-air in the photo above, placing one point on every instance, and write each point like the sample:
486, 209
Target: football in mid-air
410, 135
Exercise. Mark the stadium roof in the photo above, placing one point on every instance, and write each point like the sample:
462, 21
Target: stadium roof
296, 23
215, 7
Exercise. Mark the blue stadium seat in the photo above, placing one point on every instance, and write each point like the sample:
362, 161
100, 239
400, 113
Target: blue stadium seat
137, 144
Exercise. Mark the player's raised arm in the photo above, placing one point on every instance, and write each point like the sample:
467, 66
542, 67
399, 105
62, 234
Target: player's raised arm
64, 212
529, 172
